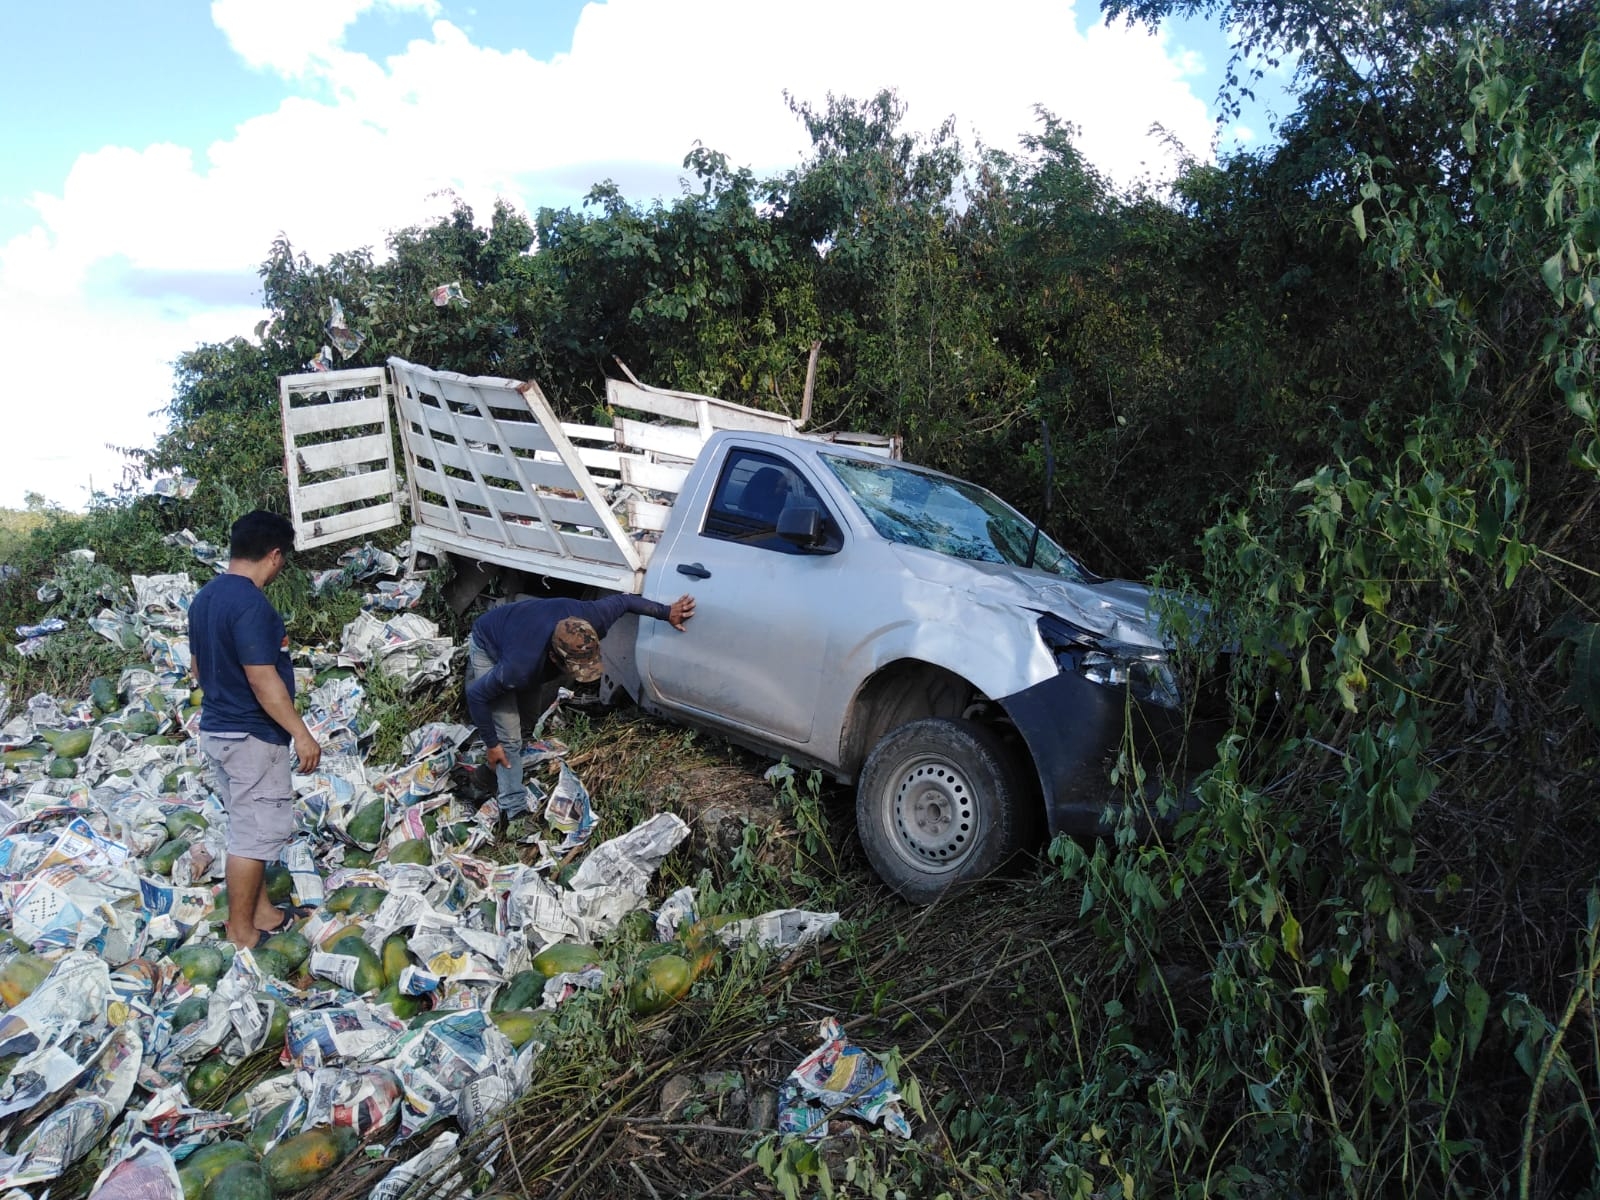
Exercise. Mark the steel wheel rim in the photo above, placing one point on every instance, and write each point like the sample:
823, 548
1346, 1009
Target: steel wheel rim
933, 814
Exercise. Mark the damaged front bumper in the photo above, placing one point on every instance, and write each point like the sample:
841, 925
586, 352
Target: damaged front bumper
1076, 730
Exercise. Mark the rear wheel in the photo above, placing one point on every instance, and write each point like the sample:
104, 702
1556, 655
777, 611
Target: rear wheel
939, 806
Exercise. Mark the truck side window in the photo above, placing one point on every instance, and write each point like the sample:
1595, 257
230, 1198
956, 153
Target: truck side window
753, 490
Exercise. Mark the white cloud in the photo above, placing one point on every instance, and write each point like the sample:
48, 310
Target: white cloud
293, 37
367, 146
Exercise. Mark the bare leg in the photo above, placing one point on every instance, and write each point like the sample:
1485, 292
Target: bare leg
249, 910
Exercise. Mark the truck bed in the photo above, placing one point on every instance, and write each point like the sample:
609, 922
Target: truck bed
491, 474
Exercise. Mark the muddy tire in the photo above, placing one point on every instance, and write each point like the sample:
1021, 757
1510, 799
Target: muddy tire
939, 806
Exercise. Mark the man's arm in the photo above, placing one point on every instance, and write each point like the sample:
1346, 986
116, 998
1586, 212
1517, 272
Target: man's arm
274, 698
604, 613
481, 693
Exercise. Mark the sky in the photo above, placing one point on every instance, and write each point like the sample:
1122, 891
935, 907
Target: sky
151, 150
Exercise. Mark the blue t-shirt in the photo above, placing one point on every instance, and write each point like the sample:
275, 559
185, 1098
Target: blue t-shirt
517, 637
232, 625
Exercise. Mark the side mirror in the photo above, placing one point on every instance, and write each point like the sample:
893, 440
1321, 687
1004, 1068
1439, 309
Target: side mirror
800, 524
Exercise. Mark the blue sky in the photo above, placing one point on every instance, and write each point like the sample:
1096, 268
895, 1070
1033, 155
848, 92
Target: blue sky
151, 149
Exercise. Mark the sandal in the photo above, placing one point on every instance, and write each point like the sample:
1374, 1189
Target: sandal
291, 914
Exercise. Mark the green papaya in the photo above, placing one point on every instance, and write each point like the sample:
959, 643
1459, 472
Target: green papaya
412, 850
523, 990
261, 1133
208, 1075
520, 1025
369, 968
103, 694
141, 722
191, 1010
280, 884
23, 755
357, 858
659, 983
239, 1181
396, 957
366, 826
63, 768
456, 833
564, 956
181, 820
307, 1158
403, 1006
356, 899
271, 963
349, 942
202, 963
277, 1020
206, 1163
291, 944
159, 861
68, 743
20, 975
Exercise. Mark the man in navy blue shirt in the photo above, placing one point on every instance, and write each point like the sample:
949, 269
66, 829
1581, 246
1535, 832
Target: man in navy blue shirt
518, 646
240, 651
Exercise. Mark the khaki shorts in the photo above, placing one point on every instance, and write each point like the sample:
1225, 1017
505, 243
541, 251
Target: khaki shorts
253, 779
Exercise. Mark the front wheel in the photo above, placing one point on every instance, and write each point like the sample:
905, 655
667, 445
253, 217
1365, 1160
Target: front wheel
939, 806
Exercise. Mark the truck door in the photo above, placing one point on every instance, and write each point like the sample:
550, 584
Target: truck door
753, 655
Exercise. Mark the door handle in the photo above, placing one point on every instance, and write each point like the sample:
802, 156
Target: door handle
693, 570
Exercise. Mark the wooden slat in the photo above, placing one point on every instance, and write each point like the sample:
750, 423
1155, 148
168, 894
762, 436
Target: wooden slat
698, 410
541, 474
562, 511
642, 514
532, 537
665, 439
319, 531
511, 502
320, 418
325, 381
535, 537
589, 433
518, 434
470, 427
599, 460
658, 477
367, 485
329, 456
612, 577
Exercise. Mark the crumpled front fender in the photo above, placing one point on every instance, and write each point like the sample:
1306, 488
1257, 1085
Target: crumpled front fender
1074, 730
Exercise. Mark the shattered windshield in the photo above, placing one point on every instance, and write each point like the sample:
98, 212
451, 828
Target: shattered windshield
946, 515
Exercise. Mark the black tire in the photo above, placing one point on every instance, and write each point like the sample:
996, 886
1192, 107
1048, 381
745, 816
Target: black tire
939, 806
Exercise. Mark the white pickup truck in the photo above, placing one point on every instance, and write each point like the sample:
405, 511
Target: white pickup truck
896, 627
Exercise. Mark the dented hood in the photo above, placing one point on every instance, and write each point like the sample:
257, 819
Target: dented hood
1116, 609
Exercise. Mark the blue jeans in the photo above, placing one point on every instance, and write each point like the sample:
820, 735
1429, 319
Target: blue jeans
507, 714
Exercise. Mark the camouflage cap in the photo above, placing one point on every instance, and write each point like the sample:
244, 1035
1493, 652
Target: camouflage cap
577, 647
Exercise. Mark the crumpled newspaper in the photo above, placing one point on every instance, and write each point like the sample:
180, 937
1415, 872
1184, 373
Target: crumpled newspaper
174, 487
838, 1079
407, 647
365, 562
209, 553
146, 1173
451, 1059
345, 340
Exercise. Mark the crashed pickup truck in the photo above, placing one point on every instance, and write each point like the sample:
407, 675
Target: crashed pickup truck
898, 628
